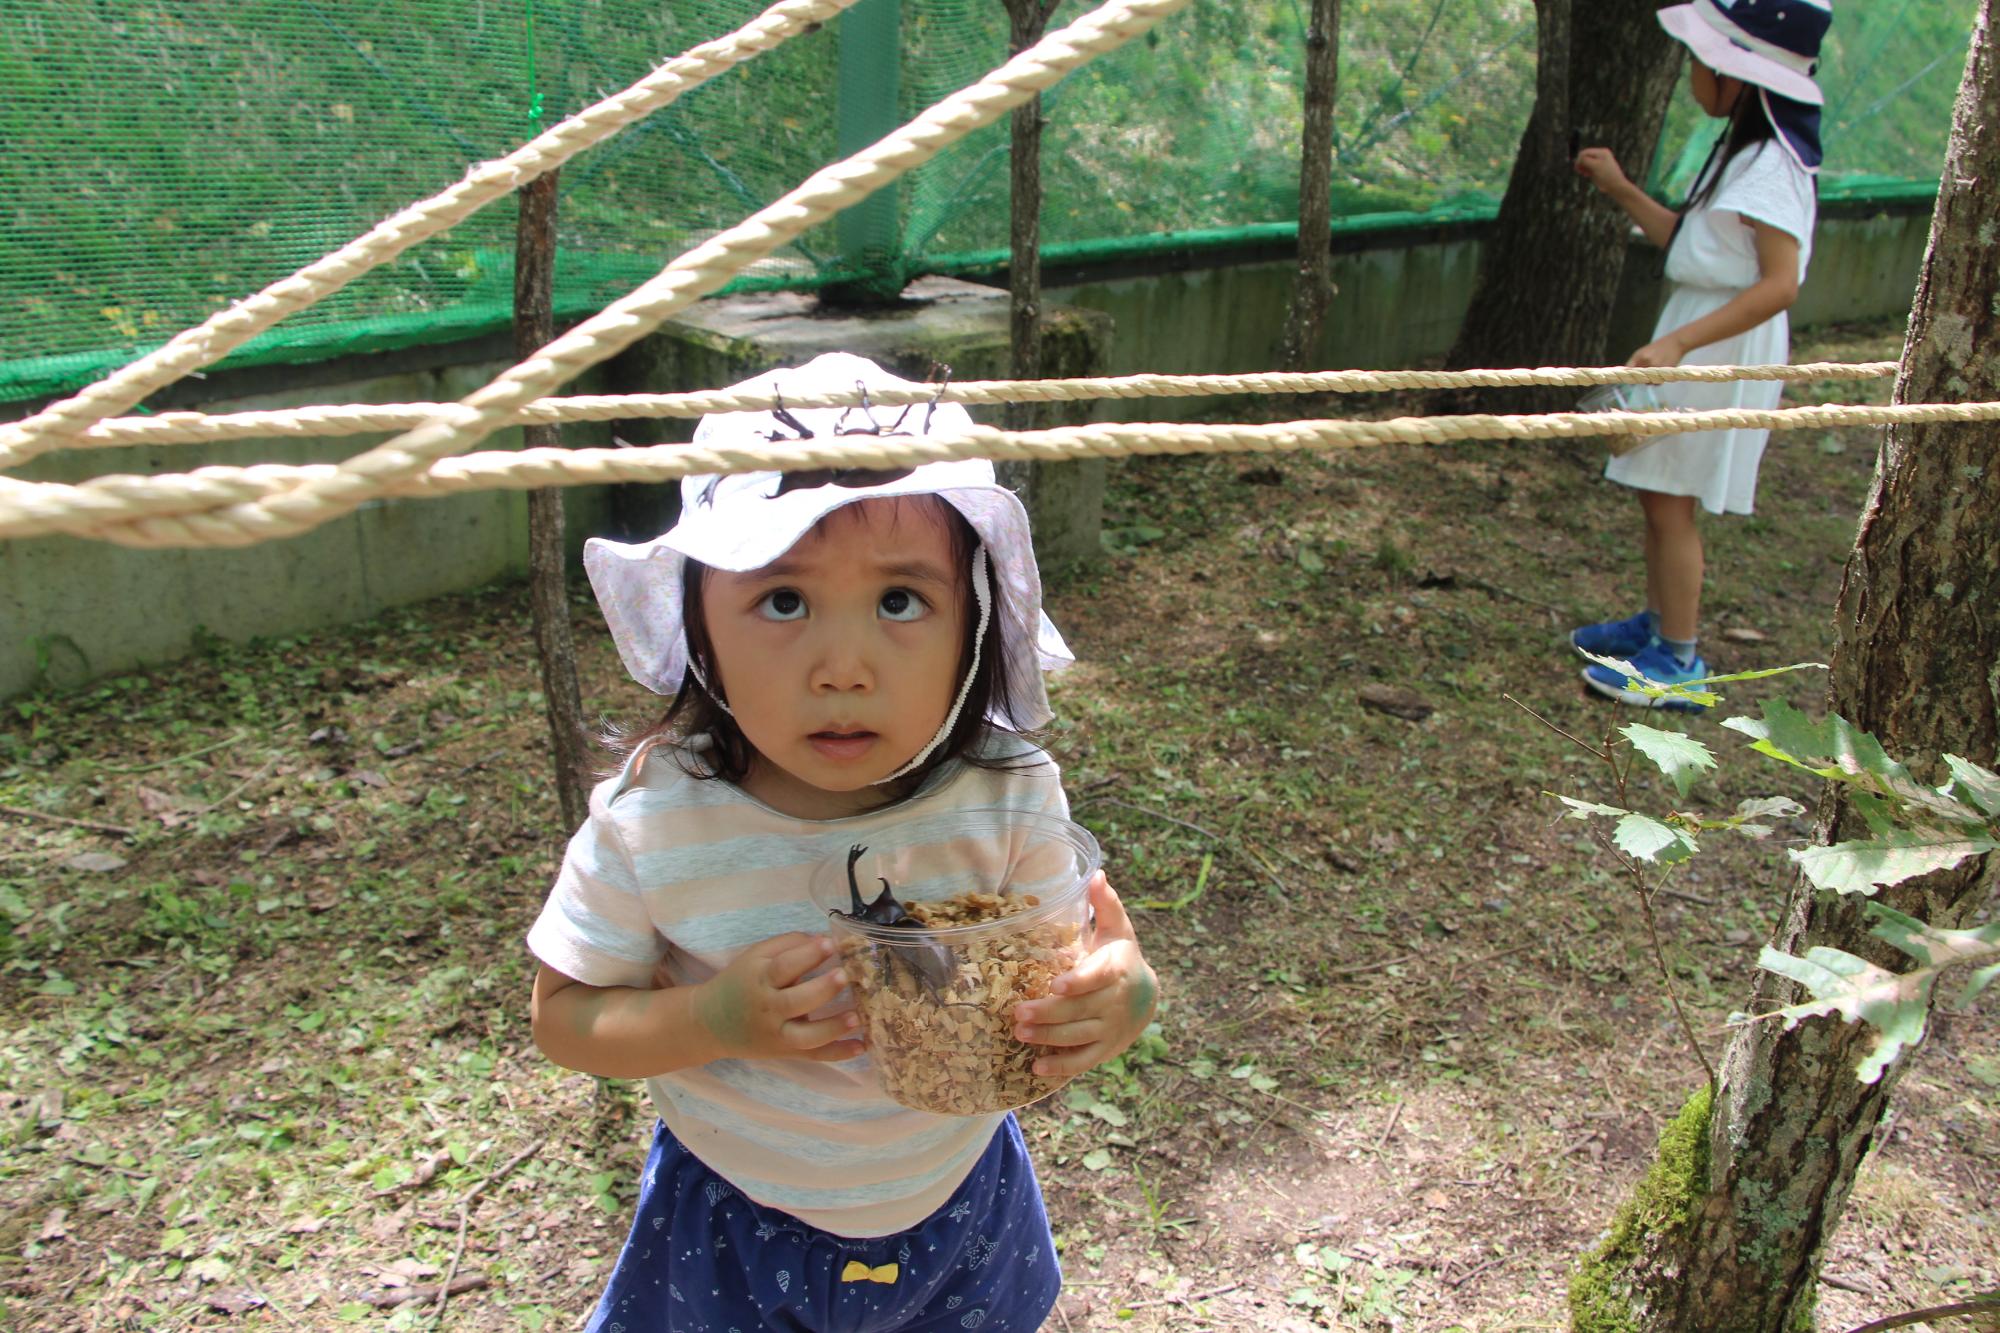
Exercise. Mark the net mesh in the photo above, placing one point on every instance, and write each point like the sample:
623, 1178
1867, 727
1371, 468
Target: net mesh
164, 160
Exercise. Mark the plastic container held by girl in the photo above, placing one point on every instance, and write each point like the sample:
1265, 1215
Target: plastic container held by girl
999, 911
1623, 398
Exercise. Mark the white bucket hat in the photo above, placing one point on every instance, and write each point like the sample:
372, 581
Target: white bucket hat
1771, 43
746, 521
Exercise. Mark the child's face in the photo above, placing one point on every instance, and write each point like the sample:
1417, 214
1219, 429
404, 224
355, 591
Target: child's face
1717, 94
841, 659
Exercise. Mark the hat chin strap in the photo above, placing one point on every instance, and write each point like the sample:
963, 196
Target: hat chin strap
984, 597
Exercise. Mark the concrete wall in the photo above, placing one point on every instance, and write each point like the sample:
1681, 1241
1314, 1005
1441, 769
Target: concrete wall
76, 609
1401, 298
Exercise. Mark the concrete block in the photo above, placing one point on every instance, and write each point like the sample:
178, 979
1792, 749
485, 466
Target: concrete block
940, 321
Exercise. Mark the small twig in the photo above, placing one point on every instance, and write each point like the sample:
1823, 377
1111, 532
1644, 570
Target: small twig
179, 758
19, 813
125, 1171
237, 790
1667, 979
1472, 1273
1188, 1299
1979, 1306
1388, 1129
444, 1290
481, 762
1685, 896
1498, 591
1556, 729
1848, 1284
1238, 844
458, 1286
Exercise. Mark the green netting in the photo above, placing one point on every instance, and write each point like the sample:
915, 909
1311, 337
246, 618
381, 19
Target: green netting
163, 160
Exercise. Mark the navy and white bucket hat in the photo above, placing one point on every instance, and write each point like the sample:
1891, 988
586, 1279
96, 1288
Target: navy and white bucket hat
1771, 43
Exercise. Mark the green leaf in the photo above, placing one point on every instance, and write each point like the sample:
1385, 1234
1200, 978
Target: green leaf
1974, 785
1648, 839
1585, 809
1894, 1003
1097, 1159
1109, 1114
1681, 758
1933, 946
1881, 790
1646, 685
1749, 811
1865, 865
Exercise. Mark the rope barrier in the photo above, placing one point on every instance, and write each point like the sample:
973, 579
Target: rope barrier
343, 419
228, 329
319, 496
205, 507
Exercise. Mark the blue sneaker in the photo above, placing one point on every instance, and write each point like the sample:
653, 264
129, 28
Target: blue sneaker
1615, 638
1657, 665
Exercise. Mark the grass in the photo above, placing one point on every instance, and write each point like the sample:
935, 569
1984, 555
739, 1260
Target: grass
268, 1054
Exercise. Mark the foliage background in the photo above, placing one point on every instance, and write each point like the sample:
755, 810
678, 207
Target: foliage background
162, 161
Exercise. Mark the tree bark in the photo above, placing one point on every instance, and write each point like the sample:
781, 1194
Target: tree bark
548, 581
1027, 21
1549, 270
1314, 291
1917, 662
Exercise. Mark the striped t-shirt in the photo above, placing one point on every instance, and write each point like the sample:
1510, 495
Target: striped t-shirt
697, 871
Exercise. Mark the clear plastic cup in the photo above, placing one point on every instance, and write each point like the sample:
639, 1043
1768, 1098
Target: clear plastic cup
1622, 398
937, 1001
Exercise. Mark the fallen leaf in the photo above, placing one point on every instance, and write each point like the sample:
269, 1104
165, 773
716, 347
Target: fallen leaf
235, 1300
1396, 701
305, 1226
1437, 1199
1743, 634
99, 862
55, 1226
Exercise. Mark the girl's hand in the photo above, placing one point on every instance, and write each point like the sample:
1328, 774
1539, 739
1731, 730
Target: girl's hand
756, 1008
1602, 169
1099, 1007
1666, 351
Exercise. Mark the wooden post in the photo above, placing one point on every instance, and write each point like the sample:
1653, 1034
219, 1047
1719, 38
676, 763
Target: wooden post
1314, 291
548, 583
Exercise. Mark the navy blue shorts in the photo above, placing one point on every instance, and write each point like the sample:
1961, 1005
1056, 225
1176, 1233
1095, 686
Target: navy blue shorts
702, 1258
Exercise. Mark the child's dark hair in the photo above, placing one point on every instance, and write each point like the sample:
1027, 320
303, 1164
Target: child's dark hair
1749, 126
694, 712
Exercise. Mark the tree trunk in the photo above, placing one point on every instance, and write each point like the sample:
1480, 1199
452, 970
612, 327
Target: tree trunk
1314, 291
1549, 270
1917, 663
548, 582
1027, 21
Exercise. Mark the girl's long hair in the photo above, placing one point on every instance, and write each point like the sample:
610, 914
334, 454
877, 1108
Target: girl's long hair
1748, 127
728, 753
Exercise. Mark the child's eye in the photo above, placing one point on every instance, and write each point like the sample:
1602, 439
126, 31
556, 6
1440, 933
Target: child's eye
901, 604
784, 604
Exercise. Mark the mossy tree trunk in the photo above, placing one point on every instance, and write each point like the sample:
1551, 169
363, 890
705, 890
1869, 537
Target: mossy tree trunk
1549, 271
1917, 662
1313, 291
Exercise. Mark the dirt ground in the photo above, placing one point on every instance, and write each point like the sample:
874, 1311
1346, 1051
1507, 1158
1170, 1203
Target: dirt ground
266, 1058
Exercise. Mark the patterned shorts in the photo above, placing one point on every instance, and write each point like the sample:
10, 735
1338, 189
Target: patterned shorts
702, 1258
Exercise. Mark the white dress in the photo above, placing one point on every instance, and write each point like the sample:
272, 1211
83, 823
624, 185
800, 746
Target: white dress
1713, 258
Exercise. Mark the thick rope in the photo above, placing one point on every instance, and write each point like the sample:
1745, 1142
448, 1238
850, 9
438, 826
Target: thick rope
357, 419
321, 496
231, 328
189, 510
